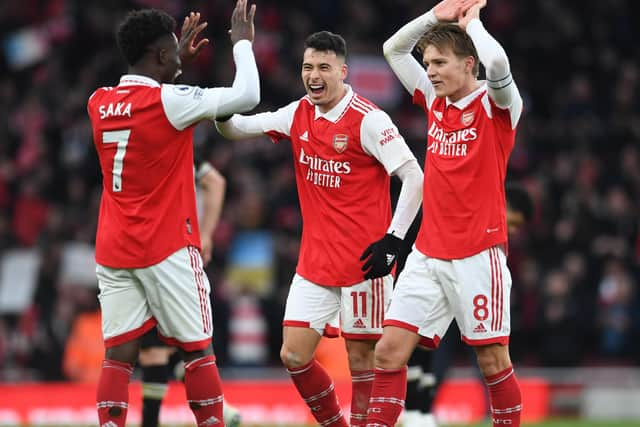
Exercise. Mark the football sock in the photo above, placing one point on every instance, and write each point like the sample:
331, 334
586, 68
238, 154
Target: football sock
113, 393
387, 397
154, 388
317, 390
204, 390
506, 400
361, 383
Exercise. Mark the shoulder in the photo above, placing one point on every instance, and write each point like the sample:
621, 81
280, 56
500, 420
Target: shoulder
98, 93
180, 93
362, 105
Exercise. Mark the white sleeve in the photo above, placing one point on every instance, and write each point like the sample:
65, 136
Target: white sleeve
501, 87
380, 138
409, 199
276, 124
397, 51
185, 105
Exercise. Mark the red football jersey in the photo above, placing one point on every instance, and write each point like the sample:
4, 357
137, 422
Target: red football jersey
148, 206
342, 163
468, 146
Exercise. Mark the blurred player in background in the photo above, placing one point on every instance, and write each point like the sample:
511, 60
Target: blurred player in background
149, 266
425, 372
155, 355
344, 149
458, 266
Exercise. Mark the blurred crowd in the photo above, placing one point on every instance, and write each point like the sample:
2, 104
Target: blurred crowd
575, 266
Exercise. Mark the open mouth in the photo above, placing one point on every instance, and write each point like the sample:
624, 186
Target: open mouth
316, 89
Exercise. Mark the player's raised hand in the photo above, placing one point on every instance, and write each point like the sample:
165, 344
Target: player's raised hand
242, 23
473, 11
450, 10
191, 27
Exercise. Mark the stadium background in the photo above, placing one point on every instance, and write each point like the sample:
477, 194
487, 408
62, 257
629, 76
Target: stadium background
576, 305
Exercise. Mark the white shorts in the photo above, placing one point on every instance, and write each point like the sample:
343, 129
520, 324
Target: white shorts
475, 291
357, 310
174, 294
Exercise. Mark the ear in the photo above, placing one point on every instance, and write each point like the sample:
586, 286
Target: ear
469, 63
163, 56
344, 71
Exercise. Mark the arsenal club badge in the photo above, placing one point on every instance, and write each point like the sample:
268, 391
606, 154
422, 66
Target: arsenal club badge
467, 118
340, 142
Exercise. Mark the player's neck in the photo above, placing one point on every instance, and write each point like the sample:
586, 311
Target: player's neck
144, 71
325, 108
466, 89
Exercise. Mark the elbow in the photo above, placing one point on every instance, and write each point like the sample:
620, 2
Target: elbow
498, 68
250, 99
219, 181
388, 48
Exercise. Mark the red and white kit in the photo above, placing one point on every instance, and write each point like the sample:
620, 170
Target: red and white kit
342, 159
458, 267
148, 235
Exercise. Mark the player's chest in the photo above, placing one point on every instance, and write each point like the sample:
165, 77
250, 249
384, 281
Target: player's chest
455, 133
325, 139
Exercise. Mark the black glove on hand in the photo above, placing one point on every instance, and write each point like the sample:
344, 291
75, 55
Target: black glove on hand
382, 256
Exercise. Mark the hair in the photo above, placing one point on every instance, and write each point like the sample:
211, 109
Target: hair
451, 36
139, 29
326, 40
519, 200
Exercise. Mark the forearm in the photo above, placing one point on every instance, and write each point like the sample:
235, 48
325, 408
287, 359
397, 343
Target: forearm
213, 185
405, 39
397, 50
409, 199
244, 94
490, 52
501, 87
239, 127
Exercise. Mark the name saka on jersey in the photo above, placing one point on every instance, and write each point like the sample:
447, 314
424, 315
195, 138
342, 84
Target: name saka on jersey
451, 144
322, 172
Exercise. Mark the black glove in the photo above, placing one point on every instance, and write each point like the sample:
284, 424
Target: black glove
382, 256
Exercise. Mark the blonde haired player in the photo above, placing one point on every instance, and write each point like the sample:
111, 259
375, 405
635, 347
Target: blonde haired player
458, 266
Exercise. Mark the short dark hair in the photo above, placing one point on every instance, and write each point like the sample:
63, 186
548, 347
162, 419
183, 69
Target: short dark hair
326, 40
519, 200
139, 29
445, 35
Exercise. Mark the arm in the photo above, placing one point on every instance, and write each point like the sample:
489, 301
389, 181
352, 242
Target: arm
381, 139
213, 187
409, 199
501, 87
276, 123
397, 51
186, 105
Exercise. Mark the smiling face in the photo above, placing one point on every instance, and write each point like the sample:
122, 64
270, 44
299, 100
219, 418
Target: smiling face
450, 74
323, 74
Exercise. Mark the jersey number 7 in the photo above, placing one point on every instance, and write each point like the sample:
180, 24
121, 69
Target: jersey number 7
120, 137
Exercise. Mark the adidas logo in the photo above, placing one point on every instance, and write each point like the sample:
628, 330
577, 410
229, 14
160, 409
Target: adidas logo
210, 421
479, 329
359, 324
390, 259
438, 115
305, 136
